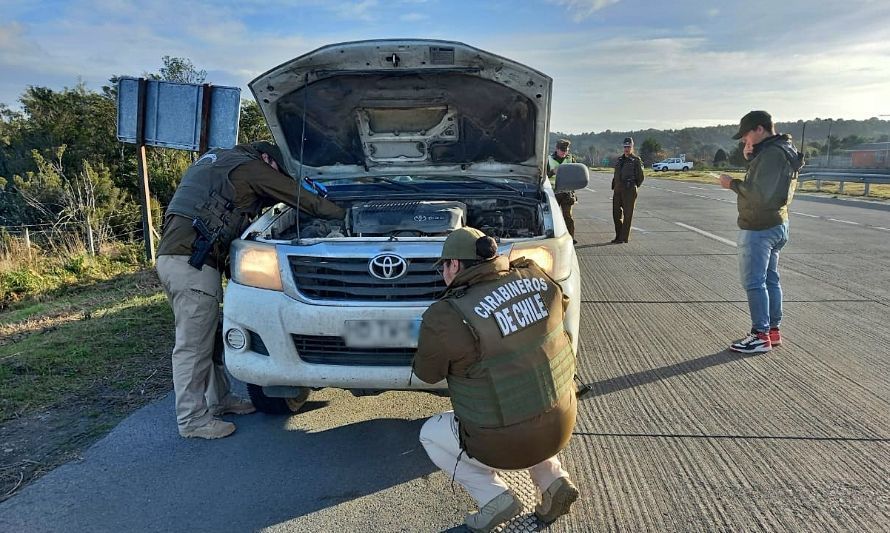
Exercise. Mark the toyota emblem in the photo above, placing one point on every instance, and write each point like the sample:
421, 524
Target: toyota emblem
388, 267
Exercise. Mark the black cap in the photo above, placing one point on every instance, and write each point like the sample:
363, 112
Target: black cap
272, 150
628, 141
752, 120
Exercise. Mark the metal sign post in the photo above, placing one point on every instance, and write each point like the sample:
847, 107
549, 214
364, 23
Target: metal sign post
144, 192
183, 116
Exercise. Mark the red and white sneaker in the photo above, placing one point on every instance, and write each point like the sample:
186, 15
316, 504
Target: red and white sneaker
775, 338
755, 342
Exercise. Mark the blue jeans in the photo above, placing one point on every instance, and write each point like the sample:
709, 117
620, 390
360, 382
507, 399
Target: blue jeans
759, 269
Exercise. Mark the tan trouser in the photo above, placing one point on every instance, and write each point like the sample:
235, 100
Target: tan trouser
195, 296
439, 438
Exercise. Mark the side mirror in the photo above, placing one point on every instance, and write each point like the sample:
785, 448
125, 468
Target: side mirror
571, 177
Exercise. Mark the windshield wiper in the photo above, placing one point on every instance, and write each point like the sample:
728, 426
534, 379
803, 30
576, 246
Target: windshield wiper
495, 183
391, 181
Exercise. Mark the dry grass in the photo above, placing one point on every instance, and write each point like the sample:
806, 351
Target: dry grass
876, 191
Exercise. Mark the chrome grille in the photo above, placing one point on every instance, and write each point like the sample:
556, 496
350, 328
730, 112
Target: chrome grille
347, 278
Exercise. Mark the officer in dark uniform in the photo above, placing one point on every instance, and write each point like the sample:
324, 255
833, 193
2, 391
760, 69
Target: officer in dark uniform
627, 178
497, 336
217, 198
565, 199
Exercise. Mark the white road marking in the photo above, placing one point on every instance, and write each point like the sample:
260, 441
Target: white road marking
804, 214
881, 228
706, 234
845, 221
694, 195
589, 189
641, 230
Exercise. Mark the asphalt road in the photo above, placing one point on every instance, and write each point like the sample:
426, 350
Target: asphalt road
678, 434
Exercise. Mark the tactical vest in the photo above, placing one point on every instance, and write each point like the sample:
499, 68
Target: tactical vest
206, 192
553, 164
627, 171
526, 359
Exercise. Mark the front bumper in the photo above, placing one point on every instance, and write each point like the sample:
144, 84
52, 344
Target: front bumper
275, 318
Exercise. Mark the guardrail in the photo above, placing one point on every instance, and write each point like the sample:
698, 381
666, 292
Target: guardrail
841, 176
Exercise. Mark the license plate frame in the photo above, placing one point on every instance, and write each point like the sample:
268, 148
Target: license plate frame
381, 333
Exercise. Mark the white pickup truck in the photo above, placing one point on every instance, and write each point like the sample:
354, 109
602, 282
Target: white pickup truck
673, 163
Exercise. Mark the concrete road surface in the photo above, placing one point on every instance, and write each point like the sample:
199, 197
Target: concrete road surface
678, 434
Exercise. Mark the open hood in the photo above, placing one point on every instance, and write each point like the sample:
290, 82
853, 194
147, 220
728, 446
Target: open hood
407, 106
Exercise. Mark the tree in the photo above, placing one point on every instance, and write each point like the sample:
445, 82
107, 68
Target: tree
252, 124
179, 70
649, 151
737, 156
720, 157
850, 141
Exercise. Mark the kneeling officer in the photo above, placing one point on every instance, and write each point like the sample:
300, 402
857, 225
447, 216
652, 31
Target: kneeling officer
497, 336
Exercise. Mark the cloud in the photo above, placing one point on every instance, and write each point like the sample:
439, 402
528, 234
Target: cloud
581, 9
355, 10
414, 17
619, 71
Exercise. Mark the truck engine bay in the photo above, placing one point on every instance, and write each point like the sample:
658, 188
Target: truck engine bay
499, 218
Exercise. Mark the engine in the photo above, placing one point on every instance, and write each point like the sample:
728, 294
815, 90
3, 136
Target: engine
407, 218
416, 218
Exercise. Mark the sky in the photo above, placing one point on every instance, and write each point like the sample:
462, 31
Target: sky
616, 64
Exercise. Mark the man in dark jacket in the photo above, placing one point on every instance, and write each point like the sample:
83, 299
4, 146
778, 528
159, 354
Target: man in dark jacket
567, 199
497, 336
763, 199
627, 178
215, 201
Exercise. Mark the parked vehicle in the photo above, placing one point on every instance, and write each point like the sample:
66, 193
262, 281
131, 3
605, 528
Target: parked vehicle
415, 138
673, 163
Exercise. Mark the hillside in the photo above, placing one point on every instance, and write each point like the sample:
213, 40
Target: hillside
701, 143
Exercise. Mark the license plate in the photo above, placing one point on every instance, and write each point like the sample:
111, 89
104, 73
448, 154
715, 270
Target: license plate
381, 333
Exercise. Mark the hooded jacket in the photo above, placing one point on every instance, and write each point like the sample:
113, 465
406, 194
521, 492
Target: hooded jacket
768, 188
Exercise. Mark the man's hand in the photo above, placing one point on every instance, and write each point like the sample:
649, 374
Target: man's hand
725, 181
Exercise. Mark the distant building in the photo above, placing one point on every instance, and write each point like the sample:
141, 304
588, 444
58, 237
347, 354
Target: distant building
871, 155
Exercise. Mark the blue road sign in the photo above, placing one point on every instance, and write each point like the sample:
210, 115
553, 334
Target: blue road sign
173, 114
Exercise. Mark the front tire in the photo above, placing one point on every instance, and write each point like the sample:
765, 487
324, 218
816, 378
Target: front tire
664, 169
276, 406
685, 168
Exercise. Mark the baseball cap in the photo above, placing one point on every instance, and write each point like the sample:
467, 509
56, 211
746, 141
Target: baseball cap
751, 120
272, 150
461, 244
563, 144
628, 141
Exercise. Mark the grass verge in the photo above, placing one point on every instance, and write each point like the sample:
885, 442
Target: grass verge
876, 191
74, 364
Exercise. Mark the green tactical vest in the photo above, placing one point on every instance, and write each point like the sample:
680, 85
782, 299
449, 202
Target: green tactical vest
553, 165
206, 192
527, 363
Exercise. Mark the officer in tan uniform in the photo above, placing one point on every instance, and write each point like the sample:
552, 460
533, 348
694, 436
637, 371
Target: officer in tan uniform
627, 179
215, 201
497, 337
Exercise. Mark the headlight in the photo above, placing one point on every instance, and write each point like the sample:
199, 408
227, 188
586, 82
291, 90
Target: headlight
554, 257
255, 265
